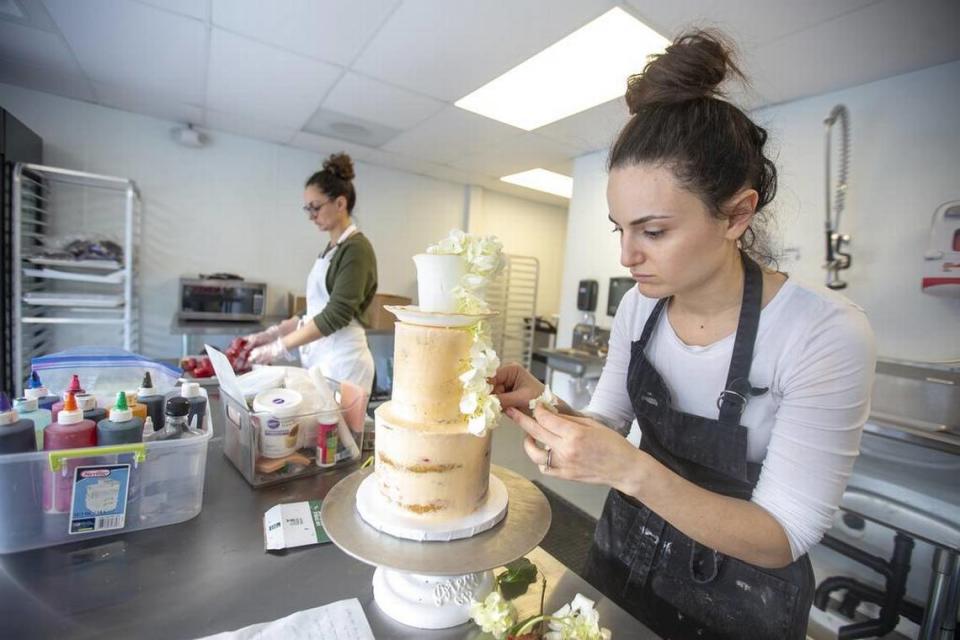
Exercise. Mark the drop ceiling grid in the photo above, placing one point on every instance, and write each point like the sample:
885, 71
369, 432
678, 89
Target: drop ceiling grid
139, 47
401, 64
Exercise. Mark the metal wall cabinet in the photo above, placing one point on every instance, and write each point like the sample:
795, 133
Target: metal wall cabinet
513, 294
51, 294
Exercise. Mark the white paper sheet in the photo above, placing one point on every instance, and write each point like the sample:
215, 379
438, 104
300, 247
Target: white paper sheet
225, 375
342, 620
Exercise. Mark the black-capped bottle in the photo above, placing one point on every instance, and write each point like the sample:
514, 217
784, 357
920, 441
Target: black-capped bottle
152, 400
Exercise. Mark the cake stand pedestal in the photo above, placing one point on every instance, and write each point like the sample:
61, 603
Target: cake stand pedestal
430, 585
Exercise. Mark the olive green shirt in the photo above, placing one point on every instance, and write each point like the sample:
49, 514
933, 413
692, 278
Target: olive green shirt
351, 281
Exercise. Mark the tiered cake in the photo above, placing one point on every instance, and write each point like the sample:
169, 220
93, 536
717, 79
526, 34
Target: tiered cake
433, 438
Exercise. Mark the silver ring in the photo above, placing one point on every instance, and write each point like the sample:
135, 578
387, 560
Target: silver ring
546, 465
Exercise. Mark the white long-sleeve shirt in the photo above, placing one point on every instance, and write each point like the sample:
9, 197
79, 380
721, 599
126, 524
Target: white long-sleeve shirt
814, 350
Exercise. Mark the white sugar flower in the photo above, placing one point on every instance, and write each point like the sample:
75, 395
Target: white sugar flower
468, 302
495, 615
469, 403
473, 281
577, 621
454, 244
547, 399
477, 425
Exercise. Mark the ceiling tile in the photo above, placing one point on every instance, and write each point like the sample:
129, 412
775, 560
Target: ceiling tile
808, 63
350, 128
325, 146
261, 82
138, 101
244, 125
47, 80
327, 30
592, 129
449, 135
515, 154
36, 47
379, 102
130, 44
448, 48
749, 22
194, 8
420, 167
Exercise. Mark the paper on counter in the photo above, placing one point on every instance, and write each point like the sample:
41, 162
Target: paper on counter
342, 620
294, 524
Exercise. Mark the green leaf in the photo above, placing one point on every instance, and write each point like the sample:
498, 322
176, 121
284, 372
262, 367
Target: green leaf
518, 577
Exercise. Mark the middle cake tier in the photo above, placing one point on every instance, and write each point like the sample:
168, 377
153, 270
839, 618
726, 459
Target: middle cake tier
427, 363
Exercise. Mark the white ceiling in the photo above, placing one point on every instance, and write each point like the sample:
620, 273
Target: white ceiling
378, 78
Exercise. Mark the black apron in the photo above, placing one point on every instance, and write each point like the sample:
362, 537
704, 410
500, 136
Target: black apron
674, 585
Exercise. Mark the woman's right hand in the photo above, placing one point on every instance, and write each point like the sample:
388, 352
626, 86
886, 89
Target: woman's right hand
515, 386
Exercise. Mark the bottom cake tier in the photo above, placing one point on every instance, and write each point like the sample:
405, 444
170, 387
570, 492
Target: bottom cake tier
436, 472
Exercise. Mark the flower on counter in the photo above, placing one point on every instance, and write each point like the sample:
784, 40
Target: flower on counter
547, 399
495, 615
576, 621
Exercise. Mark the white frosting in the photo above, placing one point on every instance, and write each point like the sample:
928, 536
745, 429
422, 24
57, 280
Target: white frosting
438, 278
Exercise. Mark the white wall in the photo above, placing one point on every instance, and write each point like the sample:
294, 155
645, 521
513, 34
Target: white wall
235, 205
905, 161
528, 229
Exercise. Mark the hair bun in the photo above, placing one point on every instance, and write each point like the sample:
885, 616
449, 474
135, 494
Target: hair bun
340, 165
691, 68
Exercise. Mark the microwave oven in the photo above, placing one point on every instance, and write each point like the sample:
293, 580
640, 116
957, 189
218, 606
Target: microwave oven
221, 297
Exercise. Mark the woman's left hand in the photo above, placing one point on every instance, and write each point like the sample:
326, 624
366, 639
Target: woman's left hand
580, 448
269, 352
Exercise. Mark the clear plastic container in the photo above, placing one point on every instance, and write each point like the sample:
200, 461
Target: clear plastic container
243, 429
165, 487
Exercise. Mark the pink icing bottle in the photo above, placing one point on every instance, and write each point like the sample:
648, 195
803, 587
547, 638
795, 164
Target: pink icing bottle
69, 431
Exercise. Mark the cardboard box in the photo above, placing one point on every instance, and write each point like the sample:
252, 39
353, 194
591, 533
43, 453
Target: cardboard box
380, 318
296, 305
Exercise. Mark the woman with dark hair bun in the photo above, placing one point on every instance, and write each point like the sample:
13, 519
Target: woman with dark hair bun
750, 389
340, 287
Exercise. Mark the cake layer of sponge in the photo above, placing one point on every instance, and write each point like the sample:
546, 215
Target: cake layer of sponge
434, 473
427, 363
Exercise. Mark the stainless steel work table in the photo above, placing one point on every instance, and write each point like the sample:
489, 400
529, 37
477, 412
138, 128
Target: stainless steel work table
210, 574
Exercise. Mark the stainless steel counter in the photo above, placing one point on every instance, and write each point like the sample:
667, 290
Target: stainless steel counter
210, 574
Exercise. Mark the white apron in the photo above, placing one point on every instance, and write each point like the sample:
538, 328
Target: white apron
343, 355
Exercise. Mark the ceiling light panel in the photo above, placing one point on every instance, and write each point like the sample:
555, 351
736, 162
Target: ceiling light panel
543, 180
588, 67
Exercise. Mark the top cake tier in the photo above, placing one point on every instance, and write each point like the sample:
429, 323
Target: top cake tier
437, 278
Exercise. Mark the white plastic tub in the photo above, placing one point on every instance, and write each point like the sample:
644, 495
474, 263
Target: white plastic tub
165, 487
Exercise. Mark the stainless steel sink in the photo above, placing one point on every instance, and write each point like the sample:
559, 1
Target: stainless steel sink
575, 362
917, 402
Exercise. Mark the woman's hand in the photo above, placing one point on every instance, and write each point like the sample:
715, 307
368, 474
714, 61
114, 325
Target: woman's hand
273, 332
515, 386
265, 354
579, 448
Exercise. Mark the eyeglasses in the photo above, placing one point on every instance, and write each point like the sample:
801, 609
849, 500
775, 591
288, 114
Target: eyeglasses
313, 209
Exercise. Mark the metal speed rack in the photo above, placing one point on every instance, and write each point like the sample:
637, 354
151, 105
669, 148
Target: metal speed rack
51, 293
513, 294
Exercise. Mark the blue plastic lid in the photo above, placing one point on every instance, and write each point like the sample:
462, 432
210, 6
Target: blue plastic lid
5, 402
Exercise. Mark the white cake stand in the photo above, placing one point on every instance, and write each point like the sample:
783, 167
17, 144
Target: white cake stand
430, 585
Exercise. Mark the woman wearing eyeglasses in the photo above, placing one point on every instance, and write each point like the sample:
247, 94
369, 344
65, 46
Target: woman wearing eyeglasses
340, 287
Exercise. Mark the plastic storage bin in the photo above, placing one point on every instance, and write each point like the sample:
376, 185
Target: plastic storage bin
244, 428
165, 486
